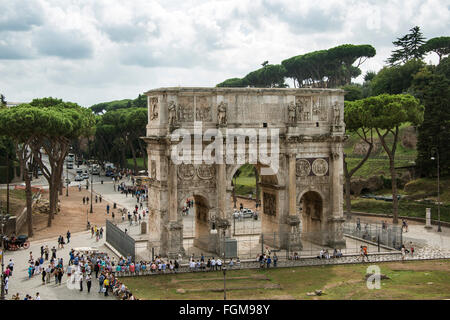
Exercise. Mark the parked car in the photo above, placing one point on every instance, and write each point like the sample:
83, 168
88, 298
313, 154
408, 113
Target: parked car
78, 178
85, 175
247, 213
79, 171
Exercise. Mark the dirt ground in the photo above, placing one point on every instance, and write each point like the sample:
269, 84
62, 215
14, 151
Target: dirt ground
73, 215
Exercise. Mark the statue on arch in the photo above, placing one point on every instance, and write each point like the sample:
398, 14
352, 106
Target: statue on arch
172, 112
222, 113
337, 113
291, 112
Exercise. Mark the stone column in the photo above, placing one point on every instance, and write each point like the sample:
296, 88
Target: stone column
292, 186
172, 188
222, 223
335, 221
175, 229
221, 190
428, 218
293, 220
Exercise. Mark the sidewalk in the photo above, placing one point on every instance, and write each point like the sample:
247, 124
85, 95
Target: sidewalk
20, 283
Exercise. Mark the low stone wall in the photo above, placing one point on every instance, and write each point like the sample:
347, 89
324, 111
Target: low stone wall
307, 261
381, 215
16, 223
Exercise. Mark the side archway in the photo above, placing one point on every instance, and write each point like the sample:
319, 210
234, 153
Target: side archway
311, 207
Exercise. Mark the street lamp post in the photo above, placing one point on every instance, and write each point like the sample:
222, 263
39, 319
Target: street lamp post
224, 282
3, 221
67, 181
92, 186
438, 190
224, 267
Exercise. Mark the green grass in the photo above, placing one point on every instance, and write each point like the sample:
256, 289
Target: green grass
374, 167
408, 280
378, 163
405, 208
246, 181
139, 161
17, 200
428, 187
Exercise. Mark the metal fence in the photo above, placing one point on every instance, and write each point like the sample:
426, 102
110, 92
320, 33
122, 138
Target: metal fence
122, 242
388, 235
250, 246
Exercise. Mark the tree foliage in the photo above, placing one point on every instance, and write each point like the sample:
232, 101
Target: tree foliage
324, 68
432, 86
139, 102
386, 113
395, 79
328, 68
357, 120
118, 132
269, 76
439, 45
409, 47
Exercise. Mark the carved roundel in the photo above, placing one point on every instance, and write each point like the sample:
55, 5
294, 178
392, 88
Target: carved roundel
205, 171
320, 167
302, 168
186, 171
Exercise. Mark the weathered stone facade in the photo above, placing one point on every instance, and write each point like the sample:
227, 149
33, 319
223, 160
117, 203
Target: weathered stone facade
304, 197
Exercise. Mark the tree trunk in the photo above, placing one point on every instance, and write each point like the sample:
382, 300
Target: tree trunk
257, 185
29, 203
391, 155
133, 153
394, 190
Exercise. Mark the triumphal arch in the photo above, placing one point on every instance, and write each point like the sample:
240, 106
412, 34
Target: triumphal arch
198, 137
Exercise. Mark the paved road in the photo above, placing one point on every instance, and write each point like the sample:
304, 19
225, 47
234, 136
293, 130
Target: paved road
20, 283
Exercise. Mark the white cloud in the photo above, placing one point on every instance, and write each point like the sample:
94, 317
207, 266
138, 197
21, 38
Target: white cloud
93, 51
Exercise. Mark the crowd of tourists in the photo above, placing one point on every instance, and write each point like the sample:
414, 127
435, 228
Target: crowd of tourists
82, 268
325, 254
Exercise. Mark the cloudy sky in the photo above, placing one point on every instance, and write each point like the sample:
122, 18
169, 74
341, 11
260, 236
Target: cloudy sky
90, 51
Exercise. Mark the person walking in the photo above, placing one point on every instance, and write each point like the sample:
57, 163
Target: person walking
96, 269
100, 198
106, 286
6, 284
84, 200
219, 264
68, 236
46, 252
88, 282
11, 266
81, 282
107, 209
44, 274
